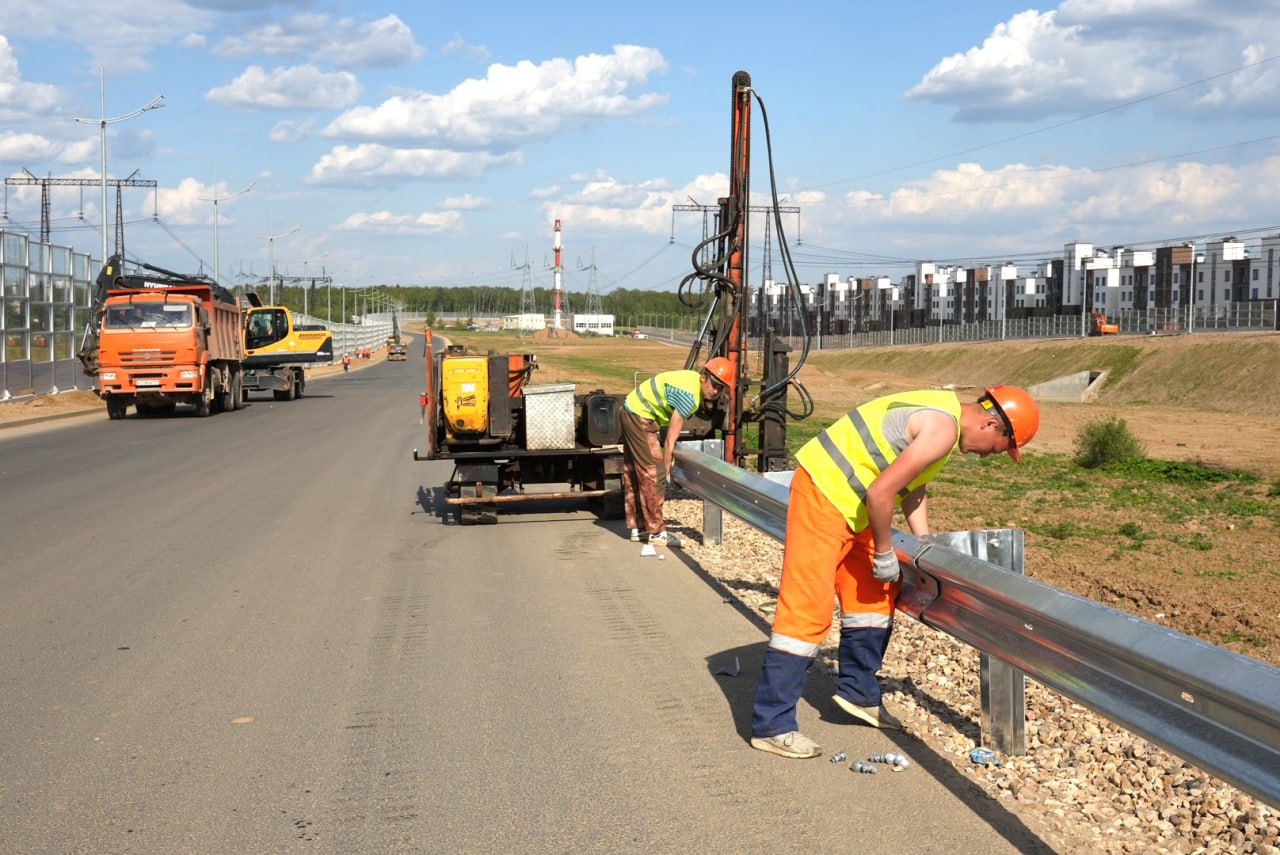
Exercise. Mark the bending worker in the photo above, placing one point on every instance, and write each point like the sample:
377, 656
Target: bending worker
661, 403
849, 480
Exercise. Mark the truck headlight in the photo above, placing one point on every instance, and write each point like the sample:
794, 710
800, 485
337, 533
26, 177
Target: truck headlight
188, 374
107, 375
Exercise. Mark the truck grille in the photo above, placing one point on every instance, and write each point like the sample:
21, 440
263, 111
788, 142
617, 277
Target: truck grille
148, 357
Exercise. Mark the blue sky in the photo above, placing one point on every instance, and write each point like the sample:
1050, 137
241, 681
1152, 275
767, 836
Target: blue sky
433, 143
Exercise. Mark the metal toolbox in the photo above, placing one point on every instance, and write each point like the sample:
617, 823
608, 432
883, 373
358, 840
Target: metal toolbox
548, 417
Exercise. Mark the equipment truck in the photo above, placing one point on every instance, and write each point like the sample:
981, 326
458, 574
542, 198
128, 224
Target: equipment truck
157, 339
397, 347
512, 441
277, 350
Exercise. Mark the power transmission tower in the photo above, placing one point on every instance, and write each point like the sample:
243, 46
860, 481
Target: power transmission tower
593, 293
47, 182
528, 305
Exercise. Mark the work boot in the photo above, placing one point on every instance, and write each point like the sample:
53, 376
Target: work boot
662, 538
794, 745
876, 716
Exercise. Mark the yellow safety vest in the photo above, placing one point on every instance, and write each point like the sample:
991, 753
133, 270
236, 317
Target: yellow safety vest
649, 399
845, 458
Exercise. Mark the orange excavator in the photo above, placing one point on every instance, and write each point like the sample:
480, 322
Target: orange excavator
1100, 326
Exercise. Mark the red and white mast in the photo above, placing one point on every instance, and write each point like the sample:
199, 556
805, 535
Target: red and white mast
559, 272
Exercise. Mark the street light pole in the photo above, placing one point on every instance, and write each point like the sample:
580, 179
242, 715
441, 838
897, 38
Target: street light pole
155, 104
217, 271
271, 259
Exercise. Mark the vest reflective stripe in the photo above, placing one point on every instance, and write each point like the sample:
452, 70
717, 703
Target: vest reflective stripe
866, 620
649, 400
787, 644
643, 402
845, 458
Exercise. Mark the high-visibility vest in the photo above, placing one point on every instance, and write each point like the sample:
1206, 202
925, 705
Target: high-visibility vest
650, 401
845, 458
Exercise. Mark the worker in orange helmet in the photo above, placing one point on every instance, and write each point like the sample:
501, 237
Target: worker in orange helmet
661, 403
849, 481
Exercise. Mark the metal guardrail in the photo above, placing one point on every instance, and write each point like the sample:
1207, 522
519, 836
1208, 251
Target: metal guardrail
1213, 708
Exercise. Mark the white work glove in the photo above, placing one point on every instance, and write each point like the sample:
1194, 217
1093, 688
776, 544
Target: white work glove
885, 567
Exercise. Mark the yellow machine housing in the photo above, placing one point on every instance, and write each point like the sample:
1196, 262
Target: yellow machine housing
464, 392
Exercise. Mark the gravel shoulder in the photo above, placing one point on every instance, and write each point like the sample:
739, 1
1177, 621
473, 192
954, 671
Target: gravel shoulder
1085, 785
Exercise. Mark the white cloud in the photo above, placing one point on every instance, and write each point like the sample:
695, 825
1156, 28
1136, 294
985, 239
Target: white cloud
458, 44
195, 41
515, 104
1093, 54
466, 202
119, 36
184, 205
288, 131
544, 192
605, 202
385, 222
18, 97
968, 210
299, 87
340, 42
362, 163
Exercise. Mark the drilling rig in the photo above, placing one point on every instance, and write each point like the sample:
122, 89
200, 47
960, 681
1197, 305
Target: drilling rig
753, 421
512, 441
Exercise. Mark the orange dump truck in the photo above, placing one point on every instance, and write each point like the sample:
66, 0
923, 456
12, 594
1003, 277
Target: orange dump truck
163, 340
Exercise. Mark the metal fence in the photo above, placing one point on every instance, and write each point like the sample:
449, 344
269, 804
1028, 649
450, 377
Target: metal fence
1233, 317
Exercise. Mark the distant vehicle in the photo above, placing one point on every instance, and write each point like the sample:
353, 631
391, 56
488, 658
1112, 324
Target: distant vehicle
397, 347
1100, 326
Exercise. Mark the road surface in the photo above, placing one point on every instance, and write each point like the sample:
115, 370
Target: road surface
254, 633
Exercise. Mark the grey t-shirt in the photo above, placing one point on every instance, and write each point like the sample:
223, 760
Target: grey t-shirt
895, 425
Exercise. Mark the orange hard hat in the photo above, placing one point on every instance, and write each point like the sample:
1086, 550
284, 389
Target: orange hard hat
1018, 411
721, 369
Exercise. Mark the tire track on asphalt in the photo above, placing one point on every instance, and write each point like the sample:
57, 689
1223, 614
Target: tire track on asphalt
378, 796
686, 724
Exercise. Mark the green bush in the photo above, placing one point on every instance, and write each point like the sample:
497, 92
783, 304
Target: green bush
1106, 441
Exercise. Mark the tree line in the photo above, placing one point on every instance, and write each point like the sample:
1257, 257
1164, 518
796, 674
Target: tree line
627, 305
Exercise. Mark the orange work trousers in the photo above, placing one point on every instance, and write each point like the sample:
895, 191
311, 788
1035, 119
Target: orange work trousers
822, 557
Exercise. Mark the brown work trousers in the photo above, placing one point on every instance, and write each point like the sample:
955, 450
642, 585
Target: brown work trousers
644, 478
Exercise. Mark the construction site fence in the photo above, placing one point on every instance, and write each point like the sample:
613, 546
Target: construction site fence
836, 333
1207, 705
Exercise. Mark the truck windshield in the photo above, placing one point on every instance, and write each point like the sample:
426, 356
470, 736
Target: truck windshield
148, 316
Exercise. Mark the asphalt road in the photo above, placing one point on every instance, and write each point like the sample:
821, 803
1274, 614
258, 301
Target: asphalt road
253, 633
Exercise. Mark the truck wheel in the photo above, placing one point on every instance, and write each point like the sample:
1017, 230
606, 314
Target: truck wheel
238, 395
299, 385
226, 399
116, 408
204, 404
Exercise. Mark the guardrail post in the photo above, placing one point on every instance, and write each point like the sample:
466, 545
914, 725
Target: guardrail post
1003, 687
712, 514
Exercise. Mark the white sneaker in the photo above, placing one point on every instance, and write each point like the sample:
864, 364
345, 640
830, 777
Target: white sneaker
875, 716
635, 535
795, 745
662, 538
